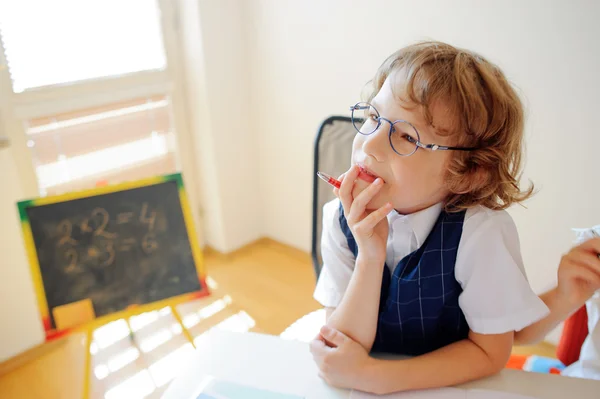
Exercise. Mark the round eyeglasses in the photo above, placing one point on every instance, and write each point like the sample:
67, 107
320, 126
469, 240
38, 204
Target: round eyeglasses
403, 136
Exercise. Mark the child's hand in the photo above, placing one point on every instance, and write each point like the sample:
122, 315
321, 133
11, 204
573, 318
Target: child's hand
369, 228
342, 365
579, 273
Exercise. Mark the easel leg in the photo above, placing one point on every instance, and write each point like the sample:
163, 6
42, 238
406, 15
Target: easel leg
87, 376
186, 332
132, 335
142, 360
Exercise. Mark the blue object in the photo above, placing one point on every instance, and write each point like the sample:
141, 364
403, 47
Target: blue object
218, 389
541, 364
418, 311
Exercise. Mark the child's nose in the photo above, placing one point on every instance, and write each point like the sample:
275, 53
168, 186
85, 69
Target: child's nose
377, 143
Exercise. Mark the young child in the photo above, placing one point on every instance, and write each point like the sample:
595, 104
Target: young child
420, 257
578, 284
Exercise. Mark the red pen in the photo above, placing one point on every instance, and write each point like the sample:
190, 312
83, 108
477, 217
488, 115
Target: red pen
334, 182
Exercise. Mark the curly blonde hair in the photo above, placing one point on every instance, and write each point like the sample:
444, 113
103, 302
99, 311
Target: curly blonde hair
486, 113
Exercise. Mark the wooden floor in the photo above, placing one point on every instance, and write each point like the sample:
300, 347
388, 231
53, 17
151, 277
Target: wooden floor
264, 287
272, 282
542, 349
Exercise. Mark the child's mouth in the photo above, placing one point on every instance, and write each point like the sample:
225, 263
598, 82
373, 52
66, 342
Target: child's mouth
365, 175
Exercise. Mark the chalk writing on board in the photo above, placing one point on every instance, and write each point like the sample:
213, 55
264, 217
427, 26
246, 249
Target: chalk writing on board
101, 255
93, 252
127, 244
71, 256
149, 243
104, 253
65, 230
85, 226
144, 218
100, 231
109, 255
124, 217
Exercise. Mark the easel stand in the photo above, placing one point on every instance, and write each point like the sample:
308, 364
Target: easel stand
91, 327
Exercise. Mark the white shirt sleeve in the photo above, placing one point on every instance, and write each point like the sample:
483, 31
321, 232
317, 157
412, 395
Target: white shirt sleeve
338, 260
496, 295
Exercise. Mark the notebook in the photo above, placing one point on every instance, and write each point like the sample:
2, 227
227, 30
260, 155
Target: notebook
444, 393
219, 389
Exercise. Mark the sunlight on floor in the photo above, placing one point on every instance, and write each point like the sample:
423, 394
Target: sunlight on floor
138, 386
138, 357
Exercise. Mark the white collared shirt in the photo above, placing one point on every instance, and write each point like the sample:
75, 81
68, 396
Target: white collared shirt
496, 295
588, 365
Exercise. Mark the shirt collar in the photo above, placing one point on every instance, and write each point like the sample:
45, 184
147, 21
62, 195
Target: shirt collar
421, 222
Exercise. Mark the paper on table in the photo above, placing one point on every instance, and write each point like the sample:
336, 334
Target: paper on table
212, 388
444, 393
486, 394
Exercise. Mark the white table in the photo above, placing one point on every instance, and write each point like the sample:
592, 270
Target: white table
271, 363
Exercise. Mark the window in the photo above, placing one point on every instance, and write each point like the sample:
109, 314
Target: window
63, 41
91, 87
123, 141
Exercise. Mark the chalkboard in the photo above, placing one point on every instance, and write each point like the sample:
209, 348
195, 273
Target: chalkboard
117, 246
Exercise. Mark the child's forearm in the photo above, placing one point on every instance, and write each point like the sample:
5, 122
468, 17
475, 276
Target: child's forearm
454, 364
559, 311
356, 315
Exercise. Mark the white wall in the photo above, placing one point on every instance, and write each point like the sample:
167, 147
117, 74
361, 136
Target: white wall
21, 326
20, 322
218, 91
311, 59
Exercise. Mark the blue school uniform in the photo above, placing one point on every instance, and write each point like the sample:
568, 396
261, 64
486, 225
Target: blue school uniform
419, 310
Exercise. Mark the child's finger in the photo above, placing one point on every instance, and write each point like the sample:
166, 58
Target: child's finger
345, 193
360, 202
318, 348
336, 191
369, 222
584, 257
592, 245
583, 272
334, 336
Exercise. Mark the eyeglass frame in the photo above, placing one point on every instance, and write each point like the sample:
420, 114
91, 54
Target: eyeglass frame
418, 143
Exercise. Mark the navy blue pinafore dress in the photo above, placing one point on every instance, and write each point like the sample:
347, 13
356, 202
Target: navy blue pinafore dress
418, 310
